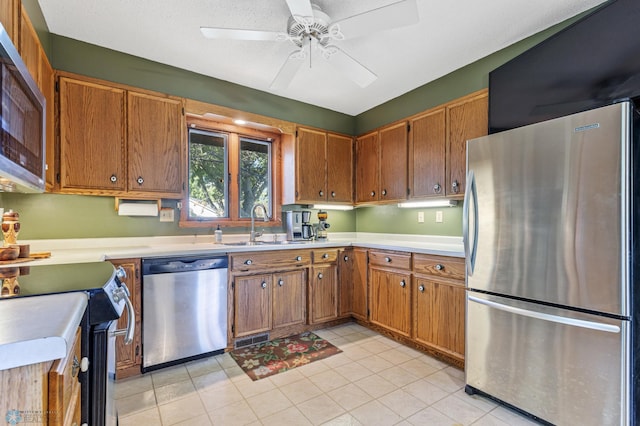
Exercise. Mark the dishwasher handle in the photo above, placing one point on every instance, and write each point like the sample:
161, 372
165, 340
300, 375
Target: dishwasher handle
182, 264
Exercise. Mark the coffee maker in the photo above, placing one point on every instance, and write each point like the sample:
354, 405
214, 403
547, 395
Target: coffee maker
297, 225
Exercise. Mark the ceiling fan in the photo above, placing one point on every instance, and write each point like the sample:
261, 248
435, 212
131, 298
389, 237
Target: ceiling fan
309, 28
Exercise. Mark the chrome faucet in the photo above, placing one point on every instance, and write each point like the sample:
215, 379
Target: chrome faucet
254, 234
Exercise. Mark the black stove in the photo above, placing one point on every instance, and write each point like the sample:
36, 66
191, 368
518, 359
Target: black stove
108, 296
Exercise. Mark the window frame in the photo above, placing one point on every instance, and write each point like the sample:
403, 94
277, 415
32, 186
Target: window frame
234, 133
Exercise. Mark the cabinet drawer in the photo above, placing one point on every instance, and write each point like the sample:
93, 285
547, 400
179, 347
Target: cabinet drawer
440, 266
269, 260
390, 259
325, 255
64, 384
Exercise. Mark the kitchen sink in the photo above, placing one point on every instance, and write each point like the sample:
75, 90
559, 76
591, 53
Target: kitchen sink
264, 243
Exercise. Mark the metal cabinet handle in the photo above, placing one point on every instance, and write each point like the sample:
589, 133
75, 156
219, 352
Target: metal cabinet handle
248, 262
298, 258
320, 275
384, 192
421, 288
403, 284
280, 282
373, 193
455, 186
387, 259
333, 194
140, 180
325, 256
263, 285
437, 188
113, 178
439, 267
321, 193
346, 258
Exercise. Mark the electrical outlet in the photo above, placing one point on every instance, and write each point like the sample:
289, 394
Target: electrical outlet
439, 216
166, 214
420, 217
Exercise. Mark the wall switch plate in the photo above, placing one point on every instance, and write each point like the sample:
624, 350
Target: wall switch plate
439, 216
420, 217
166, 214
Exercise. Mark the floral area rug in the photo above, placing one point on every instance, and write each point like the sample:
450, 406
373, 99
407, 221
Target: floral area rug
279, 355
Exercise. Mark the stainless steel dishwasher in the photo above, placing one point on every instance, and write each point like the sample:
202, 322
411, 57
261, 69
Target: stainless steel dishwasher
184, 309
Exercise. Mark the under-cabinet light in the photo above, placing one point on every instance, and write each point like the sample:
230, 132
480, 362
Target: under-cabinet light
240, 122
429, 203
332, 207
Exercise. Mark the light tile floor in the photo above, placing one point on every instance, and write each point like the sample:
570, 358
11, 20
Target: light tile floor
374, 381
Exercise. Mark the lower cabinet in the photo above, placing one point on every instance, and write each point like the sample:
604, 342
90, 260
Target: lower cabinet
252, 306
391, 300
352, 282
323, 293
64, 388
129, 357
289, 298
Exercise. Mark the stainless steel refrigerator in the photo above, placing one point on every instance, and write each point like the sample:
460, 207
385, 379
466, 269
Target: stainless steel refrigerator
549, 241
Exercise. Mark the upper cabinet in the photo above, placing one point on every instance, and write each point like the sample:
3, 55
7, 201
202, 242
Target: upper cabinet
114, 141
381, 165
437, 146
324, 168
9, 18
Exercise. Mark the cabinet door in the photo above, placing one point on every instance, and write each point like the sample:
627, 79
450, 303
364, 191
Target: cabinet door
467, 119
154, 133
427, 155
311, 166
367, 170
391, 300
9, 17
440, 315
289, 298
359, 301
128, 357
345, 282
393, 162
47, 86
92, 139
323, 293
339, 168
29, 46
252, 307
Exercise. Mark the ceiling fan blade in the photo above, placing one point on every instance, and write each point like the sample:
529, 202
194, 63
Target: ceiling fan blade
395, 15
288, 69
235, 34
353, 69
300, 8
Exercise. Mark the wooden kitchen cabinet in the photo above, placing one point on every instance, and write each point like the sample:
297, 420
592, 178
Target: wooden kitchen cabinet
64, 388
10, 18
324, 167
129, 357
323, 293
92, 136
393, 162
427, 147
29, 46
154, 135
467, 118
367, 168
47, 86
114, 141
390, 291
352, 275
439, 308
252, 307
289, 298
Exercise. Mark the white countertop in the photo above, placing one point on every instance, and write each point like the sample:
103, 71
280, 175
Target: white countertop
98, 249
39, 328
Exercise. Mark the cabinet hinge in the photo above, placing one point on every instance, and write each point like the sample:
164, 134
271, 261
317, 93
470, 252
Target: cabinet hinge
296, 133
58, 177
182, 110
408, 127
233, 284
137, 350
57, 86
368, 313
184, 186
408, 191
137, 274
233, 328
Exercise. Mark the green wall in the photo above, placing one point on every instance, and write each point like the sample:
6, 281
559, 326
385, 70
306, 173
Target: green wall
69, 216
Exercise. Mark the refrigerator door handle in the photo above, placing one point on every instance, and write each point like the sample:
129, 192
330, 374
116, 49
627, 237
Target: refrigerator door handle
470, 197
547, 317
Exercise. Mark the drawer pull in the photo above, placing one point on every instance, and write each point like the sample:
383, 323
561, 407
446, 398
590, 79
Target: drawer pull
403, 284
140, 180
320, 275
333, 194
325, 256
298, 258
421, 288
263, 285
248, 262
113, 178
387, 259
321, 193
280, 282
346, 258
439, 267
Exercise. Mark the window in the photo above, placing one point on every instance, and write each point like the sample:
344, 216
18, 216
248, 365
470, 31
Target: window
230, 169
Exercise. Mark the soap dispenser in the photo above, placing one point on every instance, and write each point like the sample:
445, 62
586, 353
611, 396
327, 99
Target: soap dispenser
218, 235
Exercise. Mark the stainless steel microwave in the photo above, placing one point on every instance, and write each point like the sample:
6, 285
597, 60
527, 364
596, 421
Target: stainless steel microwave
22, 133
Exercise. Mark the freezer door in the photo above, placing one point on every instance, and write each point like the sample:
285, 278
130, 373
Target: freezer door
547, 208
565, 367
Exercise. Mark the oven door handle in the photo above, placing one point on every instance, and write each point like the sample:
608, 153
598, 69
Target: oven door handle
131, 318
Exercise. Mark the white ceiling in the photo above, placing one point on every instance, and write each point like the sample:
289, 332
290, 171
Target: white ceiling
449, 35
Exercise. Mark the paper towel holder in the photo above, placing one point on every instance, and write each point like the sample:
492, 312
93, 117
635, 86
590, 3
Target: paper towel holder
120, 202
